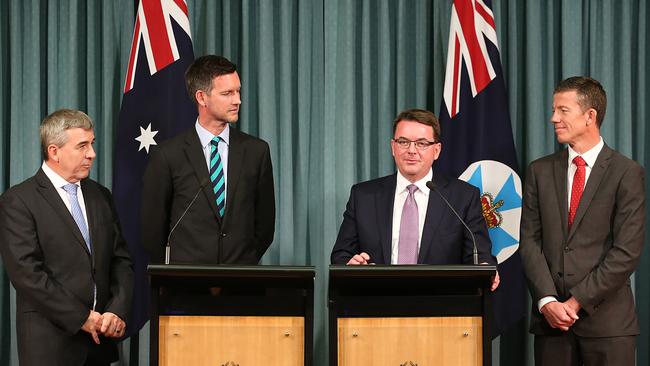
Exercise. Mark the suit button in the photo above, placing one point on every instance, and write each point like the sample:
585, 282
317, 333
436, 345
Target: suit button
223, 235
566, 249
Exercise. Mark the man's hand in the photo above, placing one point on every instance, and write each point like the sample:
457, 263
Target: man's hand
573, 304
93, 324
361, 258
495, 281
559, 315
112, 325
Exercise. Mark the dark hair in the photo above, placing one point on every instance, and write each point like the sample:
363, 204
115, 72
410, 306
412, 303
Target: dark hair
590, 94
201, 72
420, 116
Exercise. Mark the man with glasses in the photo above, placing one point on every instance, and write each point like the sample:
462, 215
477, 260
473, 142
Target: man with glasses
397, 220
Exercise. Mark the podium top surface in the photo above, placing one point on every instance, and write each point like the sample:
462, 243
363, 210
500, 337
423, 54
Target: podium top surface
233, 271
403, 278
396, 271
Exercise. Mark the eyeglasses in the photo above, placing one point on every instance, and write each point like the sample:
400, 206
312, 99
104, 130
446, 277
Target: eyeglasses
419, 144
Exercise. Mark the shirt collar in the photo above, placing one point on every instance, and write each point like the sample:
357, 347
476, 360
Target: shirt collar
402, 182
206, 136
590, 156
57, 180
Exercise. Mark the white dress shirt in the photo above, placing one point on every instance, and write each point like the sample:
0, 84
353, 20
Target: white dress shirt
589, 157
58, 183
205, 137
421, 198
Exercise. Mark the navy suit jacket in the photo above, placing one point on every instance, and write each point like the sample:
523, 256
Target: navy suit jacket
368, 221
174, 175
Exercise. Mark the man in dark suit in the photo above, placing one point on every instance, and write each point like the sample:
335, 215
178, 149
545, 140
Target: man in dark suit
582, 234
227, 172
63, 250
397, 220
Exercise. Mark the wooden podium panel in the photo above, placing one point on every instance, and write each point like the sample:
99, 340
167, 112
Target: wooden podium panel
448, 341
231, 340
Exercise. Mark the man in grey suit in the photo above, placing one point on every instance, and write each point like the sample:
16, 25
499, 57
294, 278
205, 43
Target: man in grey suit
582, 235
63, 251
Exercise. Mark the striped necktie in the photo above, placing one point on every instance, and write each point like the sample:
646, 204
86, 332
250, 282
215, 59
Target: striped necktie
217, 177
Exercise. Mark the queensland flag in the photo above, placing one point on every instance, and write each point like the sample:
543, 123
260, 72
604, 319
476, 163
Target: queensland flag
478, 146
155, 106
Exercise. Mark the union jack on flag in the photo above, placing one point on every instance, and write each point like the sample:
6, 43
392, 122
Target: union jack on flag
153, 29
478, 145
155, 106
472, 22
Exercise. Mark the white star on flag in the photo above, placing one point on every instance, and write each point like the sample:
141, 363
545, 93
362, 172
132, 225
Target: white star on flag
146, 138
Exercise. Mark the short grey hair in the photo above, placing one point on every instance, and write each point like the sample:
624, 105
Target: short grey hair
54, 126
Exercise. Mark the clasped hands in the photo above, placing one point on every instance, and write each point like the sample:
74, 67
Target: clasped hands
363, 258
107, 324
561, 315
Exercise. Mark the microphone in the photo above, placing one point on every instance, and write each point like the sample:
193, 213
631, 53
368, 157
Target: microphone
168, 247
432, 186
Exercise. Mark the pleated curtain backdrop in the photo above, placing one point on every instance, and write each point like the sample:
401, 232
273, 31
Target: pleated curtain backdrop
322, 81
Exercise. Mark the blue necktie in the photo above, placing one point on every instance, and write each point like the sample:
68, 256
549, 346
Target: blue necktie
217, 177
77, 215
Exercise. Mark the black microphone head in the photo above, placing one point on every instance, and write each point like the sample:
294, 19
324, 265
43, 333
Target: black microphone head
204, 182
431, 185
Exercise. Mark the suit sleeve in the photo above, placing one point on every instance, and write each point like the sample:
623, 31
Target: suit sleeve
25, 266
121, 276
156, 205
628, 233
476, 222
265, 204
347, 241
540, 281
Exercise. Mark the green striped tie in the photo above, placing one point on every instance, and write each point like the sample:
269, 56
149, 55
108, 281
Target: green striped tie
217, 177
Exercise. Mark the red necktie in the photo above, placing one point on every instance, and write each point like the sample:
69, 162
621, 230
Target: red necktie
577, 187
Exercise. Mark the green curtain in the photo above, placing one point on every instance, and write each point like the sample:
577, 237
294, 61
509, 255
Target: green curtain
322, 81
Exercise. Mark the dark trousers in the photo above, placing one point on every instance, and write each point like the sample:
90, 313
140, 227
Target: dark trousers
569, 349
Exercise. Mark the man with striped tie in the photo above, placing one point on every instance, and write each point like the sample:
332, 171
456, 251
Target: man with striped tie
213, 184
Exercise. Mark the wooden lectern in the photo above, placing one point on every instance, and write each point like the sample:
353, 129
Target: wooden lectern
413, 315
231, 315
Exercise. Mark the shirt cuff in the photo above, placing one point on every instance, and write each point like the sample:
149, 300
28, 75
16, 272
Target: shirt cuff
543, 301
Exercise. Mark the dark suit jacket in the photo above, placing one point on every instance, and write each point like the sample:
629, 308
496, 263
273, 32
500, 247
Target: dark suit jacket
174, 175
594, 260
53, 272
368, 221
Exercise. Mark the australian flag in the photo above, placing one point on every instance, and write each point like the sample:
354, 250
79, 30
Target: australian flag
155, 106
478, 145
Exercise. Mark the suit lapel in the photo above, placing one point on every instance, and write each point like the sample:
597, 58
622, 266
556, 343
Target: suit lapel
595, 177
560, 166
435, 208
384, 201
48, 191
236, 152
194, 154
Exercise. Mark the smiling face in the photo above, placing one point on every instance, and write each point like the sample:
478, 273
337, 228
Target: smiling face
413, 163
73, 160
221, 103
573, 125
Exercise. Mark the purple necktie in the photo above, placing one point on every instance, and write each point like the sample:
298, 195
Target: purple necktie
408, 230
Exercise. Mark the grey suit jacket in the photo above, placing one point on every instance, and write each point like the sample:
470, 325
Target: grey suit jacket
174, 175
594, 260
53, 272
